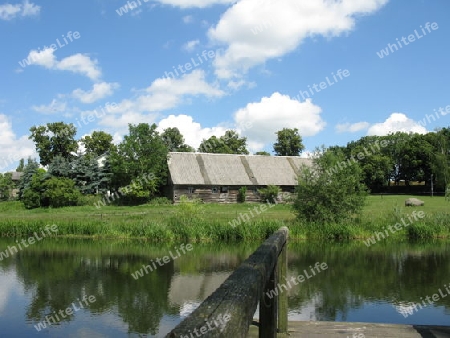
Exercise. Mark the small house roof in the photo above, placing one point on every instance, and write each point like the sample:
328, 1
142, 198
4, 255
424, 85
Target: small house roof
16, 175
230, 169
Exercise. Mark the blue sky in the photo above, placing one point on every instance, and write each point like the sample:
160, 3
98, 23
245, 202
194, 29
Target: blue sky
260, 59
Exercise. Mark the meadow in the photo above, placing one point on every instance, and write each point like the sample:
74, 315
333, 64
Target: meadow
224, 222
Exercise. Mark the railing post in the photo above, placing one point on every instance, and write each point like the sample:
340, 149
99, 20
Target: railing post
283, 297
268, 308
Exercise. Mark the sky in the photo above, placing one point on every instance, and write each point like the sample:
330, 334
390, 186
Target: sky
336, 70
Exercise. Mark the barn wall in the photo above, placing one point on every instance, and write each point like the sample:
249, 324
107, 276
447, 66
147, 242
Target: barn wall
206, 194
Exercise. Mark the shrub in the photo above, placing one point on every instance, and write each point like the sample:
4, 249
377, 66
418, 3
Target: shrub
60, 192
331, 191
31, 199
160, 201
270, 193
242, 194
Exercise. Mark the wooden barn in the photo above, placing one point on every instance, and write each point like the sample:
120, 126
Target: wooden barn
218, 177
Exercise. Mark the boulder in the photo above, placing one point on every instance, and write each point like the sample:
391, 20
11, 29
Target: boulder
413, 202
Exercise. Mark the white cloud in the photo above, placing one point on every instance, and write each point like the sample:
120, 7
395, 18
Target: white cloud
98, 92
256, 32
163, 94
190, 45
80, 63
196, 3
274, 113
9, 11
77, 63
167, 93
352, 127
192, 131
396, 122
55, 106
12, 149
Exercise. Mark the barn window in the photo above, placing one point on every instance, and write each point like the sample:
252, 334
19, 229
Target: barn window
215, 190
191, 190
224, 190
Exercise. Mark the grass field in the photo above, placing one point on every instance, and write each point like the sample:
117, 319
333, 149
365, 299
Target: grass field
212, 222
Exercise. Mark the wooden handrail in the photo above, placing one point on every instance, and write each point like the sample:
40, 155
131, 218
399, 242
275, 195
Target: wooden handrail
228, 312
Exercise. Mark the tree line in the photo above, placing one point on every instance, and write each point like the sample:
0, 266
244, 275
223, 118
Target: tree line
77, 169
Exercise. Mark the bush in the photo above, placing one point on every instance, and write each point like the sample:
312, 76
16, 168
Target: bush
242, 194
270, 193
60, 192
331, 191
160, 201
31, 199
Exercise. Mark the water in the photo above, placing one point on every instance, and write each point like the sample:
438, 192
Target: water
47, 281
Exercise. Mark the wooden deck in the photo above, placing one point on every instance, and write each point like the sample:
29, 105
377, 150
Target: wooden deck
359, 330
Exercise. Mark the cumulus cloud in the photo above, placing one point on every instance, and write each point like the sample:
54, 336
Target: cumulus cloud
256, 31
274, 113
98, 92
77, 63
352, 127
396, 122
9, 11
13, 148
163, 94
192, 131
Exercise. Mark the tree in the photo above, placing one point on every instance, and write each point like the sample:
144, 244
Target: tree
373, 158
289, 143
31, 196
97, 144
6, 186
142, 152
56, 138
30, 169
328, 193
174, 141
230, 143
21, 165
263, 153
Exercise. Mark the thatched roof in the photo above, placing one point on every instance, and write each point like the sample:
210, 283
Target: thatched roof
225, 169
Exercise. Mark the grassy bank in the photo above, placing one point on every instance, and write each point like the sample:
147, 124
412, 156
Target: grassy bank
213, 223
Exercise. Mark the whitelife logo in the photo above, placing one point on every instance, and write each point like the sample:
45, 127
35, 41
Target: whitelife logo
411, 38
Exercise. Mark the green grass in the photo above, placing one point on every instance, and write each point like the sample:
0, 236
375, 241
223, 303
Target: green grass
163, 223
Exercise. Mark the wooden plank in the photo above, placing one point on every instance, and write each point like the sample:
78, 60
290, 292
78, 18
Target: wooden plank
359, 330
237, 298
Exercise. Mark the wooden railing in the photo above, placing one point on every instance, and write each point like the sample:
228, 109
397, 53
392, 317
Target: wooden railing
229, 311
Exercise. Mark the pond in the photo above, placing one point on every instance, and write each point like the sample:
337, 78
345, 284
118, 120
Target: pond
96, 288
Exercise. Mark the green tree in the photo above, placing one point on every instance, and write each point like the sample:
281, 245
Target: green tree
56, 138
142, 152
373, 158
328, 193
97, 144
230, 143
174, 141
263, 153
6, 186
32, 194
21, 165
289, 143
30, 169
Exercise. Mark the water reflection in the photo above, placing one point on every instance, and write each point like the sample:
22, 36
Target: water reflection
360, 284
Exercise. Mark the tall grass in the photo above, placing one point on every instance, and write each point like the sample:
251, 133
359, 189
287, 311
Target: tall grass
211, 223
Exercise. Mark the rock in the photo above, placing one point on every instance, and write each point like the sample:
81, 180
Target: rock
413, 202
